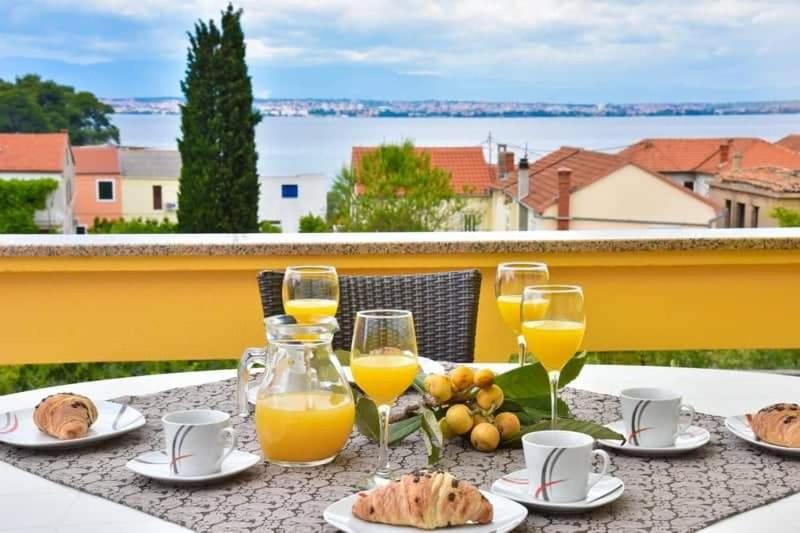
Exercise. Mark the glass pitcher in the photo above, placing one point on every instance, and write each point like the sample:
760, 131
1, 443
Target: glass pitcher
304, 406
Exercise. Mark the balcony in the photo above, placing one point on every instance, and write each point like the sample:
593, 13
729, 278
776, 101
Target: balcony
168, 297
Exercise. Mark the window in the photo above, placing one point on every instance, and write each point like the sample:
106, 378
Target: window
754, 217
289, 191
471, 221
739, 215
81, 229
728, 208
105, 190
689, 185
157, 203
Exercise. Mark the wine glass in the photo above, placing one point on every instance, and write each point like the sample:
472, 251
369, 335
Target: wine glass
511, 280
556, 335
383, 361
310, 292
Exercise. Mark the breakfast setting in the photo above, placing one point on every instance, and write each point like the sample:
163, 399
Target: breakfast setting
364, 413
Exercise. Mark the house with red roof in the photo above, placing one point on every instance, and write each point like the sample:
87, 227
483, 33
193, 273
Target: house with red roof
98, 191
29, 156
792, 142
573, 188
692, 163
750, 195
471, 178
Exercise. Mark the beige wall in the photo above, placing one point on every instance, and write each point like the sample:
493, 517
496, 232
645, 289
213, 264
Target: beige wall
137, 197
632, 194
750, 197
480, 205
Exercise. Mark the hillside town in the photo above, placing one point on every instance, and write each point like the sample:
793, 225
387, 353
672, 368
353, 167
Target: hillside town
653, 183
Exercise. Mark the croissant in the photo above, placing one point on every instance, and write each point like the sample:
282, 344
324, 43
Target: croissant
425, 501
65, 416
778, 424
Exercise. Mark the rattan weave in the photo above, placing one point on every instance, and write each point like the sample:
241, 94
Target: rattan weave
444, 304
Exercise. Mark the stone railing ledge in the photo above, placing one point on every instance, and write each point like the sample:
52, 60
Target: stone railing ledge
319, 244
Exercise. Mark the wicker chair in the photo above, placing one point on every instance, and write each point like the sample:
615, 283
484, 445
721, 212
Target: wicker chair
445, 307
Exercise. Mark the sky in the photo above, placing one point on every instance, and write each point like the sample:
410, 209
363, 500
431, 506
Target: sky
569, 51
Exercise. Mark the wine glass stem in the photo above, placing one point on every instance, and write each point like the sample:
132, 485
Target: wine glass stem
384, 469
554, 376
523, 350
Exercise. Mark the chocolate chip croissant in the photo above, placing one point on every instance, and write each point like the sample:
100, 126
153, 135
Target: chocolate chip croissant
777, 424
65, 416
425, 501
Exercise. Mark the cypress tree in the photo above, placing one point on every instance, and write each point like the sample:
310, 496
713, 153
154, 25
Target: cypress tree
219, 180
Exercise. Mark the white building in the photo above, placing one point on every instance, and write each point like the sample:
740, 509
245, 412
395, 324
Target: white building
30, 156
284, 199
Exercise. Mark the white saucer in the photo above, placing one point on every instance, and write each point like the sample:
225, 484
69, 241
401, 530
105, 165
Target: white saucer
429, 366
738, 426
113, 419
156, 466
694, 437
507, 516
515, 486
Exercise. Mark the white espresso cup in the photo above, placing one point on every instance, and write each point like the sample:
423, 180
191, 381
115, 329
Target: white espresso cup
559, 463
652, 416
196, 440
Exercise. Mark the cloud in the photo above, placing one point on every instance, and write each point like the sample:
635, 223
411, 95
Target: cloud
65, 48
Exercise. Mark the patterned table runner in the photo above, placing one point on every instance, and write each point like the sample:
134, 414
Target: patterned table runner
680, 494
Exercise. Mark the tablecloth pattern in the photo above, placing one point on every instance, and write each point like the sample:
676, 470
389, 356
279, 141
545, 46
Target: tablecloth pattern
679, 494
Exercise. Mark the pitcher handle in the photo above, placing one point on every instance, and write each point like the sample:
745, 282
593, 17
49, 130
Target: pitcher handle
249, 356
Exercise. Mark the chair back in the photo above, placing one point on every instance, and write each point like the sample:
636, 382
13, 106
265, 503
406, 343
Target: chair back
444, 304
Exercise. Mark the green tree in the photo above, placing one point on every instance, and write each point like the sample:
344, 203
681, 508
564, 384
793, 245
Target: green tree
787, 218
394, 189
33, 105
312, 223
136, 225
219, 180
19, 201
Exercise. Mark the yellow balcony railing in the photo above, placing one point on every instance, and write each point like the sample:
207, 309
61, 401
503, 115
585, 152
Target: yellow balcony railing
120, 298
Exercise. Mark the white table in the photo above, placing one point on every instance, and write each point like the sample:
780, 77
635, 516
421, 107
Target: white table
29, 504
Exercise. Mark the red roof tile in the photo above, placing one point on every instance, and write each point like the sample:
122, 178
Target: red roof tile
96, 160
33, 152
792, 142
684, 155
587, 167
705, 155
466, 165
774, 179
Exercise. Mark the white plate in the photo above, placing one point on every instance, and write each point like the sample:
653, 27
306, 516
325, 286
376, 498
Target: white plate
515, 486
429, 366
507, 516
113, 419
155, 465
694, 437
738, 426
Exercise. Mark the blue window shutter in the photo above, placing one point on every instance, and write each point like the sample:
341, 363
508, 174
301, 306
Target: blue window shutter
289, 191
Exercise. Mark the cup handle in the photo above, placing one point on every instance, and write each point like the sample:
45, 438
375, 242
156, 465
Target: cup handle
688, 409
226, 452
604, 470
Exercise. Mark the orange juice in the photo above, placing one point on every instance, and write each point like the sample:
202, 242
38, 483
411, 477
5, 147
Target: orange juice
304, 427
509, 307
305, 310
553, 342
384, 377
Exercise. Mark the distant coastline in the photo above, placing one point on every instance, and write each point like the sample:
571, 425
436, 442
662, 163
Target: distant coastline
462, 109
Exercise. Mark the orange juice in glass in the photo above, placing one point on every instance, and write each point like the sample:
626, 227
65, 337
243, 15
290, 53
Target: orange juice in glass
556, 336
510, 282
384, 377
310, 292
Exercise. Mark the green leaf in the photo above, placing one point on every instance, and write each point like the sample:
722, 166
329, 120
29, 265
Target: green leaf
432, 436
581, 426
531, 380
368, 423
532, 410
419, 382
